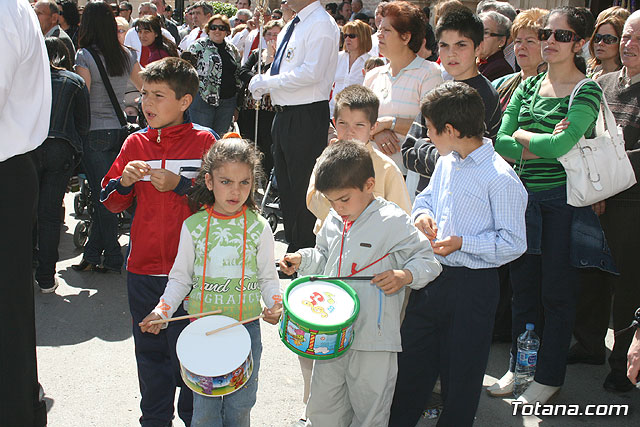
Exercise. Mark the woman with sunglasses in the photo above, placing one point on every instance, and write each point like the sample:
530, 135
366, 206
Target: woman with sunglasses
492, 63
217, 65
604, 45
355, 51
545, 283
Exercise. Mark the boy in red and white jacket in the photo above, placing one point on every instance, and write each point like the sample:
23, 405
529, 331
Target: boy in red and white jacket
156, 167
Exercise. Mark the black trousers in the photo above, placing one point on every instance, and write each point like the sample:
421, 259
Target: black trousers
446, 332
622, 229
299, 135
19, 403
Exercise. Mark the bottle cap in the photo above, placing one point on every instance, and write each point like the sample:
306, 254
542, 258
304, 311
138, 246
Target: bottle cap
530, 326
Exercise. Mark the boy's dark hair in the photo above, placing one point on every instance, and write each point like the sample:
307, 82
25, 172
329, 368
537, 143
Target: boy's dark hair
226, 150
457, 104
358, 97
344, 164
181, 77
464, 22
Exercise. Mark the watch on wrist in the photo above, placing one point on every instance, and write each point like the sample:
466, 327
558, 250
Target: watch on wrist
393, 123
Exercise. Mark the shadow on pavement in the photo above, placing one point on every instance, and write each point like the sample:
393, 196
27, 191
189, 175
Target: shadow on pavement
86, 305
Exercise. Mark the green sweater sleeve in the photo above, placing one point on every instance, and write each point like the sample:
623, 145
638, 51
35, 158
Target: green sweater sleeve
506, 145
582, 115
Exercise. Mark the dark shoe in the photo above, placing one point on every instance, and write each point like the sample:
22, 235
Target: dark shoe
104, 269
617, 383
84, 266
577, 355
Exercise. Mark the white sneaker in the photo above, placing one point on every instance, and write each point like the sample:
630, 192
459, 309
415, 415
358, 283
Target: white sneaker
537, 392
300, 423
504, 386
51, 289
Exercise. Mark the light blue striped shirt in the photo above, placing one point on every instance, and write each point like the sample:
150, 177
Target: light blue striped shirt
481, 199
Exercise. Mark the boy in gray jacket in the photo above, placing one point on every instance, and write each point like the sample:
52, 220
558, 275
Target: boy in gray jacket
363, 235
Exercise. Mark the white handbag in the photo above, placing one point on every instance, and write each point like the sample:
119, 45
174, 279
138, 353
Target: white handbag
597, 168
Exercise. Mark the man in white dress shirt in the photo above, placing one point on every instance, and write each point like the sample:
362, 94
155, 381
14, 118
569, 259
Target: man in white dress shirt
299, 82
25, 109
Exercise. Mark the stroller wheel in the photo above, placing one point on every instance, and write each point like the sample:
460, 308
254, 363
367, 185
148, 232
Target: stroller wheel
273, 221
81, 234
78, 204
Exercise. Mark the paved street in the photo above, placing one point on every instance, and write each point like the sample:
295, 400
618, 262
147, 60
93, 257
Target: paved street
87, 366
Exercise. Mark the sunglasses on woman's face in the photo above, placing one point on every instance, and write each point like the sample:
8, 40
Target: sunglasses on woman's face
561, 36
217, 27
350, 36
606, 38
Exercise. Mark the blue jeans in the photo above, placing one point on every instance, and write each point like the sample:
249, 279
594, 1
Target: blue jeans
101, 148
545, 284
233, 410
55, 161
217, 118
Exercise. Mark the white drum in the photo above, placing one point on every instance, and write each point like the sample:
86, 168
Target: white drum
218, 364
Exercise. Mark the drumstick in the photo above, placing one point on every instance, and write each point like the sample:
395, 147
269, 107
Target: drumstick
314, 278
234, 324
188, 316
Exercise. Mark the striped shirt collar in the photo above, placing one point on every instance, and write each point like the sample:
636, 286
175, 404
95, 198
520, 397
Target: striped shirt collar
479, 155
413, 65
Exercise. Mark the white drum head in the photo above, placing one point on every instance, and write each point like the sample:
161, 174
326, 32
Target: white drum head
322, 303
213, 355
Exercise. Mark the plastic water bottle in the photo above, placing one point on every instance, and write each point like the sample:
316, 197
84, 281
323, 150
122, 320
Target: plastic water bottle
526, 360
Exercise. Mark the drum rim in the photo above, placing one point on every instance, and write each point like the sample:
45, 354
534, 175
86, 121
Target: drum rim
348, 289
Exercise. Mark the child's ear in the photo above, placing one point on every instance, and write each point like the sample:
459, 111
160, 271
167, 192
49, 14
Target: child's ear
374, 129
185, 102
478, 50
449, 130
369, 184
208, 180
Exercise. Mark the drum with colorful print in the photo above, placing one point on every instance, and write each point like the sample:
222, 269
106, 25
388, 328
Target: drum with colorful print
318, 317
218, 364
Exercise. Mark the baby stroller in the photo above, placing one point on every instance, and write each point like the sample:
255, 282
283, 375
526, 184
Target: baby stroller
270, 204
83, 200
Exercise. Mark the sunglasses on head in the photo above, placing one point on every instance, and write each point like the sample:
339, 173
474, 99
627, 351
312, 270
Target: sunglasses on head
217, 27
350, 36
606, 38
561, 36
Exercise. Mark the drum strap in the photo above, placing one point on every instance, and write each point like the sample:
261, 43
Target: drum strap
354, 267
244, 257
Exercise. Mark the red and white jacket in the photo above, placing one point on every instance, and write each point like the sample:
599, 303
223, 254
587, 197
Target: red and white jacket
155, 231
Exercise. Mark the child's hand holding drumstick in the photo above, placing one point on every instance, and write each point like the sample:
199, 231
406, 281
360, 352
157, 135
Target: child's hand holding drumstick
272, 315
147, 326
290, 263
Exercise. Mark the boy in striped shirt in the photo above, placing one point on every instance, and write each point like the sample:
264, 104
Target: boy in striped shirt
473, 214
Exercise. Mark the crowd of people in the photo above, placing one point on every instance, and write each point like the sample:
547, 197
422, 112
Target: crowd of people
436, 144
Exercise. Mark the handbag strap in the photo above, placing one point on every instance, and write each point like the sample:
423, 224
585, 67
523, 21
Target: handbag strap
609, 120
107, 85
